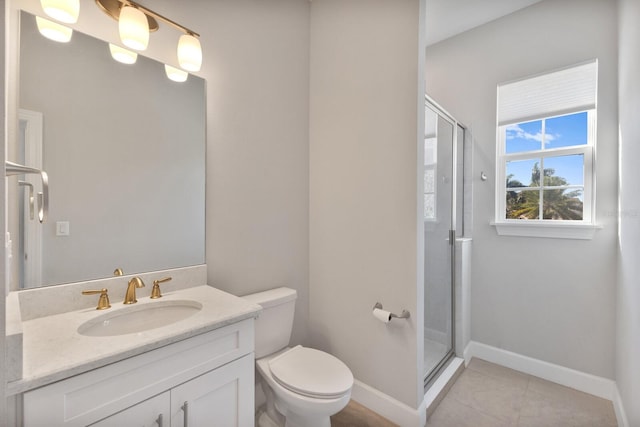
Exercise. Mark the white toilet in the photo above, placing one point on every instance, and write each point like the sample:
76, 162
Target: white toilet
303, 386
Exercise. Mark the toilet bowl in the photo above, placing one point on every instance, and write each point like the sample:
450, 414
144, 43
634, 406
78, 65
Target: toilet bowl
303, 386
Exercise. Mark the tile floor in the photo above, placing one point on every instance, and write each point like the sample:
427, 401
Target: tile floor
488, 395
356, 415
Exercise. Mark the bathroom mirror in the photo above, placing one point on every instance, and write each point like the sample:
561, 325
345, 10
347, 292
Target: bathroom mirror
124, 148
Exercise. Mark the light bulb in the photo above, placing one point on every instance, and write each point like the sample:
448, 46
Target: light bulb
189, 52
134, 28
66, 11
122, 55
53, 31
175, 74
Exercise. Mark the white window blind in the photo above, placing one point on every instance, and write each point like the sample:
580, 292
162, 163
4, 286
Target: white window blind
560, 92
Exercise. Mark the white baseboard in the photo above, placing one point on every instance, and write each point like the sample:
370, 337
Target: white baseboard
621, 415
403, 415
388, 407
587, 383
597, 386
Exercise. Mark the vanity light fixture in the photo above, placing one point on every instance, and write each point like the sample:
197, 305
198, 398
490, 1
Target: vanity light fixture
66, 11
135, 34
189, 52
175, 74
133, 27
53, 30
122, 55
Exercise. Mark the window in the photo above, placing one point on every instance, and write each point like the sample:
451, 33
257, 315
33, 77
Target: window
545, 150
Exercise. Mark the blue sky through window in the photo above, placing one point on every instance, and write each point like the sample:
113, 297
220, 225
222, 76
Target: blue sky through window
562, 131
524, 137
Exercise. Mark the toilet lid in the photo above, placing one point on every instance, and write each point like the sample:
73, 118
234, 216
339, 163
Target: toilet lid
312, 373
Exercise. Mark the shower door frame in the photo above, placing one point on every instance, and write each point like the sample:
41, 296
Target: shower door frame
430, 376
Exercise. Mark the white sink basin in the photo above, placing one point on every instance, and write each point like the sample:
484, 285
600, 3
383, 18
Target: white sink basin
139, 318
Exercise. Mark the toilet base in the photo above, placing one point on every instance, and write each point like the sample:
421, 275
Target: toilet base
264, 420
293, 421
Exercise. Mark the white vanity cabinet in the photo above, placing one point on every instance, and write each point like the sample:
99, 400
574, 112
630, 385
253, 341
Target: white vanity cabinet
202, 381
216, 398
152, 412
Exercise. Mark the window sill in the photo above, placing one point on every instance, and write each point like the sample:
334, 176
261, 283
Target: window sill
552, 230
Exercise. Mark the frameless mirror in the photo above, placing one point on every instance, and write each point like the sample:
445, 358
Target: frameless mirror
124, 148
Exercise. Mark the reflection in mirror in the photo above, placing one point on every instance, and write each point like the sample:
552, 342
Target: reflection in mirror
124, 148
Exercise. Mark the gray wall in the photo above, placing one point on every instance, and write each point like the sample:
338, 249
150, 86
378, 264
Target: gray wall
367, 123
628, 310
550, 299
256, 63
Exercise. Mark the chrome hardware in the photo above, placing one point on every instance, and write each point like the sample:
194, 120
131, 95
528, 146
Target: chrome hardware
155, 292
185, 409
130, 296
43, 197
103, 302
32, 199
404, 315
118, 272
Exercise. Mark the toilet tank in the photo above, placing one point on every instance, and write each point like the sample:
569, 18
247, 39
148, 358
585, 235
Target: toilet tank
273, 325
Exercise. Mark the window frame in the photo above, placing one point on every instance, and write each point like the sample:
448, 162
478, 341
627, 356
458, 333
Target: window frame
578, 229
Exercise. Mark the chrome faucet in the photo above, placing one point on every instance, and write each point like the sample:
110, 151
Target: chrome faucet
130, 296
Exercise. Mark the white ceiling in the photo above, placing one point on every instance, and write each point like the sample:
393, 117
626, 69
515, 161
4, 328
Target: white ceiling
446, 18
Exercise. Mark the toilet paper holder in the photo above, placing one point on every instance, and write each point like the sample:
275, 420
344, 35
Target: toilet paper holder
404, 315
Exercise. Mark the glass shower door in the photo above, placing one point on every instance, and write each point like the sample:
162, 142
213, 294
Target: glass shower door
439, 239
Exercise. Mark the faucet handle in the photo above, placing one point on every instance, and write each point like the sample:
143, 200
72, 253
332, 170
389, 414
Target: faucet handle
103, 302
155, 292
118, 272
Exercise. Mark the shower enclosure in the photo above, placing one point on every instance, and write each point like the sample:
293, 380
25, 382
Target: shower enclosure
443, 223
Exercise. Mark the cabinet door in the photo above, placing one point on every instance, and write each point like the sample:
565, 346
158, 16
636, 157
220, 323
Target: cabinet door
220, 398
153, 412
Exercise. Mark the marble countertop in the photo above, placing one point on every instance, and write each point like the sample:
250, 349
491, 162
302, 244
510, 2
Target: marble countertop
54, 350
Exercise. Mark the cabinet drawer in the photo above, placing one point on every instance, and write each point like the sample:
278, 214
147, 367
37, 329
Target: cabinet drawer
92, 396
153, 412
